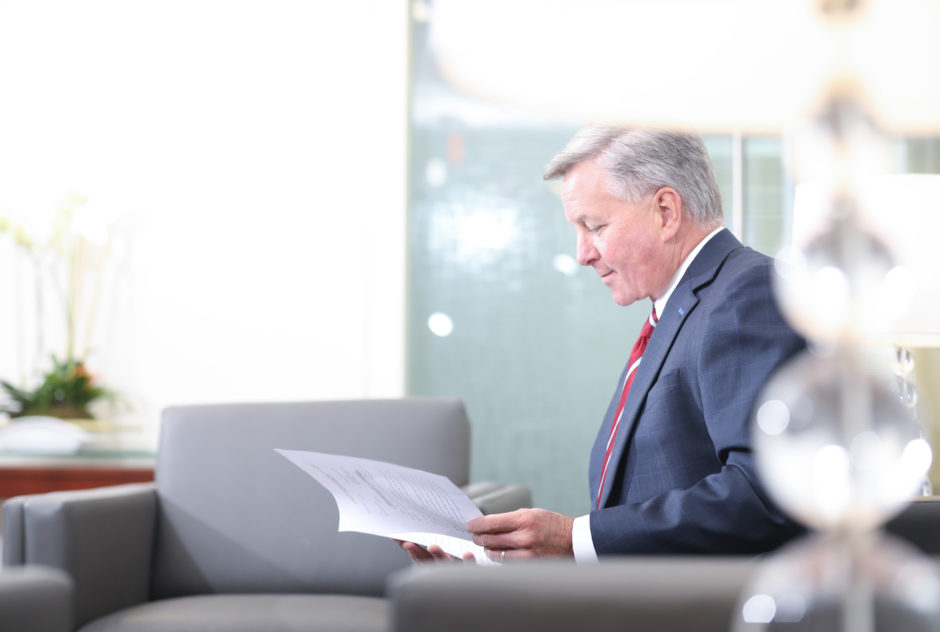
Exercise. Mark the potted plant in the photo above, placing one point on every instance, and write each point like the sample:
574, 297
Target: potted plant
65, 392
68, 270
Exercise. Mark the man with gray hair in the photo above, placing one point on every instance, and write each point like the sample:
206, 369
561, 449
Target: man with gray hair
671, 470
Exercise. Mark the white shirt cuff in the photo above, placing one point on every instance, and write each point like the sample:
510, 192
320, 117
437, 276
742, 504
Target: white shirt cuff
582, 542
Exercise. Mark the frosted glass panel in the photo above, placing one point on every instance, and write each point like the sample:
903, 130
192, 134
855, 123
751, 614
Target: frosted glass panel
766, 194
922, 155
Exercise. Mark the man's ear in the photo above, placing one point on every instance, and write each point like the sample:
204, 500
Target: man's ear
669, 206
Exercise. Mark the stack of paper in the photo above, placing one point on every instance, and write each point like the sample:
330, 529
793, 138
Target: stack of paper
394, 501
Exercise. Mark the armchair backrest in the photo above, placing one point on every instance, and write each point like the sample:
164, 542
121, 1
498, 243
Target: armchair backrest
235, 516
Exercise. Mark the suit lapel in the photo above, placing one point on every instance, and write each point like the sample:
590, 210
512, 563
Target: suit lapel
683, 301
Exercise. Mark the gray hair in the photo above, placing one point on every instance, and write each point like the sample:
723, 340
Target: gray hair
641, 161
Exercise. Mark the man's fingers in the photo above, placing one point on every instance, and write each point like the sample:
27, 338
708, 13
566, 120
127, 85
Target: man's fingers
421, 555
500, 541
519, 534
523, 533
496, 523
417, 553
501, 531
498, 555
438, 554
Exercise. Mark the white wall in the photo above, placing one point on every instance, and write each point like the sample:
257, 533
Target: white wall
255, 152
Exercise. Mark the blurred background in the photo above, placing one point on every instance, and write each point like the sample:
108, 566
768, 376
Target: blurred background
286, 200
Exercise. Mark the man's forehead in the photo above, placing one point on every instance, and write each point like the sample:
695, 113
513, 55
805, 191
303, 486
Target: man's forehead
589, 175
586, 180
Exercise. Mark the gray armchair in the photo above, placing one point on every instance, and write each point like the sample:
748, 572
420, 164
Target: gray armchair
35, 599
231, 536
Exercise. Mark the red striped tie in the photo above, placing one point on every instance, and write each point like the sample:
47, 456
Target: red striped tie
635, 356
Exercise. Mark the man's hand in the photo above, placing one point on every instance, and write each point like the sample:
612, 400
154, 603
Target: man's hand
523, 534
433, 553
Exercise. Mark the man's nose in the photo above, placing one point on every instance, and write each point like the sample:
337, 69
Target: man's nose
585, 252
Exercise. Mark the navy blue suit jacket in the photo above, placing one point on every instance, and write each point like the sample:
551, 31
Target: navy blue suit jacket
681, 477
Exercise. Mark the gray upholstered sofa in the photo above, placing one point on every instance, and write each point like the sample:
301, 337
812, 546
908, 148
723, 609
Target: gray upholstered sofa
234, 537
35, 599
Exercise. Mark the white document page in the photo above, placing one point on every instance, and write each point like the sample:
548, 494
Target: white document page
394, 501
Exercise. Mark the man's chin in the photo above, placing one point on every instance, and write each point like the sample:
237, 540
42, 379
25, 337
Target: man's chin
623, 301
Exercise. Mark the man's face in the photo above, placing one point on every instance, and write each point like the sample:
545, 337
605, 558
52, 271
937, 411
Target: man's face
620, 240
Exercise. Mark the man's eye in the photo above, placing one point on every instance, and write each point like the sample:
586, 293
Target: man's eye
594, 229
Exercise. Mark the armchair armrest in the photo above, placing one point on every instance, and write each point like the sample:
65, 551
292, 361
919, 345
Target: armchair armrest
103, 538
493, 497
640, 594
36, 599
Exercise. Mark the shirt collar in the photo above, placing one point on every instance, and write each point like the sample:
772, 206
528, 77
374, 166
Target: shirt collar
660, 304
